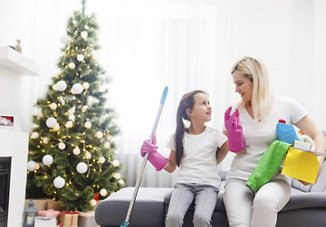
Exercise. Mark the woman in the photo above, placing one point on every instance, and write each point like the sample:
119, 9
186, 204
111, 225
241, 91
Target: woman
259, 113
197, 150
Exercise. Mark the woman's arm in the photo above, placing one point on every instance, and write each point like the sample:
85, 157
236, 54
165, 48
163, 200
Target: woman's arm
172, 162
222, 152
309, 128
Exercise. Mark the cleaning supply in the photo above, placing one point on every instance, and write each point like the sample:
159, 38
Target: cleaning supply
268, 165
154, 157
301, 165
236, 139
133, 199
286, 132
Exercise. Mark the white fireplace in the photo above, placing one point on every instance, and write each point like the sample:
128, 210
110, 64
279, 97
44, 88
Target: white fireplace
18, 90
14, 144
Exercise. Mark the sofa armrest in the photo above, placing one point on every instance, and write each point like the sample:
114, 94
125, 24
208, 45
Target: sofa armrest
320, 185
306, 200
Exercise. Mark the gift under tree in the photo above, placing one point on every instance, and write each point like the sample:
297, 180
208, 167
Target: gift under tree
71, 148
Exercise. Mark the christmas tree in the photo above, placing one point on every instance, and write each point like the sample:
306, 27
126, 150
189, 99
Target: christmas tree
71, 147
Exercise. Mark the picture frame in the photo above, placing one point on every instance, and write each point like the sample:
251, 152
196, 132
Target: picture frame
7, 120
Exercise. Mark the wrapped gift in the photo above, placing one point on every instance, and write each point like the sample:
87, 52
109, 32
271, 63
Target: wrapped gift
69, 218
301, 165
45, 222
87, 219
48, 213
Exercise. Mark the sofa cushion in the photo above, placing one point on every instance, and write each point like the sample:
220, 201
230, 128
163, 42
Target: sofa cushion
149, 208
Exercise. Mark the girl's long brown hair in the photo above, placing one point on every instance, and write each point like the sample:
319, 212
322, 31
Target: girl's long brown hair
186, 102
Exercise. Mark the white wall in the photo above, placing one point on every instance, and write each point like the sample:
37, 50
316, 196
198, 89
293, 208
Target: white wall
170, 40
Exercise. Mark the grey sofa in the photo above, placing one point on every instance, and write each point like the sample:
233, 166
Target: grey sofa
307, 207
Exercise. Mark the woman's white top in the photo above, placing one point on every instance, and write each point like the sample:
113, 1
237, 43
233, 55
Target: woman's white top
259, 135
198, 164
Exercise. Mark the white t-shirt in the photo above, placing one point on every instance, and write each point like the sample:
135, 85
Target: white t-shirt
259, 135
198, 164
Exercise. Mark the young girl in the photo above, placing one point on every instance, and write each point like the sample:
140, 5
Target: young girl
197, 150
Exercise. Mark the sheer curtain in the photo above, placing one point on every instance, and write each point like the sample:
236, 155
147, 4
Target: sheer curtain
185, 45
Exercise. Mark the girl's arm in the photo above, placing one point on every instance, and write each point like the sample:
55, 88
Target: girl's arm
309, 128
172, 165
222, 152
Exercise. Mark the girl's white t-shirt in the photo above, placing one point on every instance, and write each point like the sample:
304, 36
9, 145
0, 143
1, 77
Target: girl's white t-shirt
198, 164
259, 135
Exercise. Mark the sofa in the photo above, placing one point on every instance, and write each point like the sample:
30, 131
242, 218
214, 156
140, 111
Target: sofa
307, 207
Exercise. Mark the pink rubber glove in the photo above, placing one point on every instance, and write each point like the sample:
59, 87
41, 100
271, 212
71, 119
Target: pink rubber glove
154, 157
236, 140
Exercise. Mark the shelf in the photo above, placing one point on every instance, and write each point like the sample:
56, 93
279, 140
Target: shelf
16, 62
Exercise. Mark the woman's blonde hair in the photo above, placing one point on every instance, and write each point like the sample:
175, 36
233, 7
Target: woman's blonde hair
256, 72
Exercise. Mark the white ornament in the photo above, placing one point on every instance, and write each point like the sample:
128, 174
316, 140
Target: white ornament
117, 176
59, 182
80, 57
121, 182
71, 117
82, 167
62, 146
107, 145
71, 65
61, 85
31, 165
84, 108
77, 89
69, 124
85, 85
101, 160
88, 124
56, 127
47, 160
99, 135
46, 140
34, 135
51, 122
37, 166
53, 106
115, 163
84, 34
76, 151
88, 155
61, 99
103, 192
93, 202
71, 110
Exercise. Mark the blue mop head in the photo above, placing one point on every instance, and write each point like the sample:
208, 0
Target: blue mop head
125, 224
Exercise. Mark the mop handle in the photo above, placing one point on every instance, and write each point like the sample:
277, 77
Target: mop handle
164, 94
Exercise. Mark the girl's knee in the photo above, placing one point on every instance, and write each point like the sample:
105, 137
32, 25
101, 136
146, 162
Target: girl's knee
201, 220
174, 219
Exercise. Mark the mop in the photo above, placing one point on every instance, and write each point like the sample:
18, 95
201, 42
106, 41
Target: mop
126, 222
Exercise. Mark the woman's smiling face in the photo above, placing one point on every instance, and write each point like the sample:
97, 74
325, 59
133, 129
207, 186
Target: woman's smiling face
243, 86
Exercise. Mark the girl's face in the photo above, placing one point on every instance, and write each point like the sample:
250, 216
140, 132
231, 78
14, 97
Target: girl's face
243, 86
202, 109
